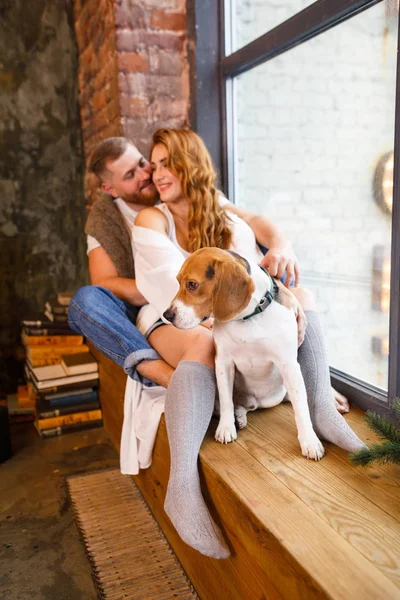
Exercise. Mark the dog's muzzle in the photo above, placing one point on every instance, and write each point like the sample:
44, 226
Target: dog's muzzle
169, 315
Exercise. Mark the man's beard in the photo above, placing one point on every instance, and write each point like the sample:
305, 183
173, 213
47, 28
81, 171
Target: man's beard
147, 197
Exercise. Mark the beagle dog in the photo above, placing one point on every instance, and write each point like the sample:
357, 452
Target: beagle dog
255, 334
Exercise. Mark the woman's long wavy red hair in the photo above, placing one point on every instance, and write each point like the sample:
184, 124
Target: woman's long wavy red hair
190, 161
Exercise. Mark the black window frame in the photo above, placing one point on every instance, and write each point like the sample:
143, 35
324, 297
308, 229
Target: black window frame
212, 81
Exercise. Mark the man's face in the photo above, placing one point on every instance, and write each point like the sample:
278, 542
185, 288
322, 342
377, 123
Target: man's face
129, 178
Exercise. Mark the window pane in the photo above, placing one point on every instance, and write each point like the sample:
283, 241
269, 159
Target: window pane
314, 135
253, 18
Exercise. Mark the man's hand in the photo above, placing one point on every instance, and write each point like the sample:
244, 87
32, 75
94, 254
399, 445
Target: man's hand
280, 260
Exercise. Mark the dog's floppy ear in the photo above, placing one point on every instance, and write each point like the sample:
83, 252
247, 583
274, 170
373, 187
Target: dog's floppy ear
232, 291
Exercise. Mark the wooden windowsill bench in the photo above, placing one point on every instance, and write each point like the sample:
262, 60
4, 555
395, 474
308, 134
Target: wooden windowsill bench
296, 528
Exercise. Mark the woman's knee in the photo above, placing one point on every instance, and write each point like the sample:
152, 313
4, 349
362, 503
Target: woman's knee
174, 345
204, 343
200, 347
305, 297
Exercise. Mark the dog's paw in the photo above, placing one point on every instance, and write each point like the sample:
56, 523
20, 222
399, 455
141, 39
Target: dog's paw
241, 417
312, 448
226, 432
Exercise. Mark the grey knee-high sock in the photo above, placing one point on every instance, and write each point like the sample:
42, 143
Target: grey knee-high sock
328, 423
189, 406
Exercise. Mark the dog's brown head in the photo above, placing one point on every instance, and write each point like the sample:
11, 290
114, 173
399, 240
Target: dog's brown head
213, 282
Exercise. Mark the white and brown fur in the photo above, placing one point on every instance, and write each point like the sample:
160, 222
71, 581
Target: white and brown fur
259, 354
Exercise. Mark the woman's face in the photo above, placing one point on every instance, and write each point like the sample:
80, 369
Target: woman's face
167, 184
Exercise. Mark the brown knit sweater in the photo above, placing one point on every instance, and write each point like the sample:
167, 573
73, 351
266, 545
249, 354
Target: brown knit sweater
106, 224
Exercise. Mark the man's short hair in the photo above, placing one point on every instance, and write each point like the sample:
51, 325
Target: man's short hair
107, 150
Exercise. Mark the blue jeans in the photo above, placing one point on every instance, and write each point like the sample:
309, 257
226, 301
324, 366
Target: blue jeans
109, 323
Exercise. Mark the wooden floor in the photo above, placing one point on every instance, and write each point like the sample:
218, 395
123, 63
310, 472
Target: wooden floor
296, 528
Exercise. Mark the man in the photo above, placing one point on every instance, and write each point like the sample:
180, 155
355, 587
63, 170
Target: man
106, 312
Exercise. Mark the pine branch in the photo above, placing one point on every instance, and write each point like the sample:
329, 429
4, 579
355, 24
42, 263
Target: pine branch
396, 406
388, 452
383, 428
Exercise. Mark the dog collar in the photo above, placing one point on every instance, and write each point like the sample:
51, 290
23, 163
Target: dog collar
266, 299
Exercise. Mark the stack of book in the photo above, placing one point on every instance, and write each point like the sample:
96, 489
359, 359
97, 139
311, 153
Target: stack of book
56, 310
62, 375
66, 395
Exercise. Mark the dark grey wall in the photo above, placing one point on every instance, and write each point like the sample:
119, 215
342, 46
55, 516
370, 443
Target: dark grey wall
42, 214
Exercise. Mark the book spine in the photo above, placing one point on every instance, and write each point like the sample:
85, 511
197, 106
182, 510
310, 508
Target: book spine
28, 374
79, 369
57, 389
85, 379
38, 352
91, 415
64, 300
59, 310
56, 318
66, 410
47, 331
21, 417
43, 323
56, 310
51, 340
60, 318
68, 392
45, 362
72, 399
23, 397
47, 433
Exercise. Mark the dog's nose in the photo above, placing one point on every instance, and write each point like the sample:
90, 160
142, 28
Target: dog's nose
169, 315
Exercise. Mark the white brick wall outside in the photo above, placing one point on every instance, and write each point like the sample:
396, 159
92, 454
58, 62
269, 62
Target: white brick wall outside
312, 125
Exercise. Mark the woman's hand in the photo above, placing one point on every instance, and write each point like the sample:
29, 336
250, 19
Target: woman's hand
280, 260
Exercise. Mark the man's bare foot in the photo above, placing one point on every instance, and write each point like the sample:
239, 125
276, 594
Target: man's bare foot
341, 402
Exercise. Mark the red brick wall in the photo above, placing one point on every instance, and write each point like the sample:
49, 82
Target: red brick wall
98, 71
134, 72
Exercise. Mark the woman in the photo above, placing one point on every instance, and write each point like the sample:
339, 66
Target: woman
193, 215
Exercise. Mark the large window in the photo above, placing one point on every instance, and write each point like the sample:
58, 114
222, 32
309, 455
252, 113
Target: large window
310, 115
251, 18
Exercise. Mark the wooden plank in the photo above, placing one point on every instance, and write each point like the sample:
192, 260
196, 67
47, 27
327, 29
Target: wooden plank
307, 538
112, 381
110, 401
365, 527
380, 484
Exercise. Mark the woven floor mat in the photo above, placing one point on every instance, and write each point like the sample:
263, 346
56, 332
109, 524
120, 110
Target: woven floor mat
130, 557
